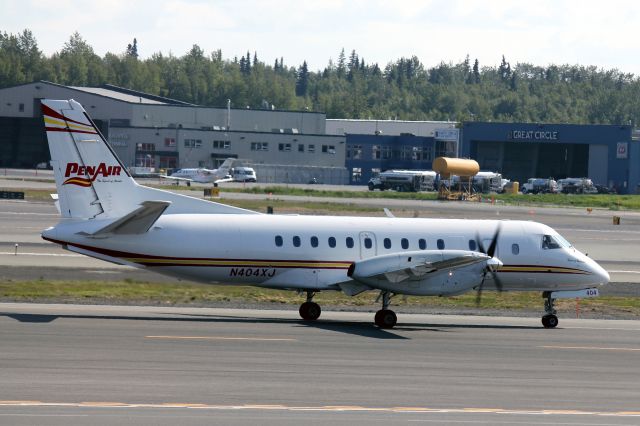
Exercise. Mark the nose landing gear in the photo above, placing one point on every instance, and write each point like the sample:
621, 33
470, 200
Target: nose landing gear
549, 319
310, 310
385, 317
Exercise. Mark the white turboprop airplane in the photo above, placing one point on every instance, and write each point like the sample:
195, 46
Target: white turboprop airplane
202, 175
107, 215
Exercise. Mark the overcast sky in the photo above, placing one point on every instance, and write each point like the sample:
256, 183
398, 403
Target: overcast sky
605, 34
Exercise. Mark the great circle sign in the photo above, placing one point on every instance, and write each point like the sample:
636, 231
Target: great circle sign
533, 135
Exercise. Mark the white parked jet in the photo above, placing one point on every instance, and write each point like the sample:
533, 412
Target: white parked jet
202, 175
107, 215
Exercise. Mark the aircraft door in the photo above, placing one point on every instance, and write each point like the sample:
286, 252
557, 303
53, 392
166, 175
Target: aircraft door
368, 245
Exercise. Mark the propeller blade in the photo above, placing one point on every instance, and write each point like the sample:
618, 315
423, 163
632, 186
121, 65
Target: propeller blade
479, 291
491, 251
494, 242
497, 281
479, 244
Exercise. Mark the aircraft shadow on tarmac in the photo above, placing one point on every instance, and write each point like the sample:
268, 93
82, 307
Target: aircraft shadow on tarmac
347, 327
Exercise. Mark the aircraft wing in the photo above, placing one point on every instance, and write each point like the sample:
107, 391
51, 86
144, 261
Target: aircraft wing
413, 265
181, 179
225, 179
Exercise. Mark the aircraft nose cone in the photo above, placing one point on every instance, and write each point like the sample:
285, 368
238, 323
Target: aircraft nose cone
599, 271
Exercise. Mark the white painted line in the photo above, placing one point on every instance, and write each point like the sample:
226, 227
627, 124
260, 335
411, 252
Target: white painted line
320, 408
593, 348
259, 339
20, 253
598, 230
29, 213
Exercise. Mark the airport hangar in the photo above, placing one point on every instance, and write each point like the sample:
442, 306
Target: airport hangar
607, 154
150, 131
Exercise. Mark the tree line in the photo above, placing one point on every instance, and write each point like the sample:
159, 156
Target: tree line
350, 87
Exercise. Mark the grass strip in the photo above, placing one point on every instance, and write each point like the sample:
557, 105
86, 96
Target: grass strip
601, 201
142, 292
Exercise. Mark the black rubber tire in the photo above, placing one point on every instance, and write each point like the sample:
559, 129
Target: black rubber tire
386, 318
371, 187
550, 321
310, 311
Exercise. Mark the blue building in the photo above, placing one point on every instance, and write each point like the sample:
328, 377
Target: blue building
605, 153
369, 154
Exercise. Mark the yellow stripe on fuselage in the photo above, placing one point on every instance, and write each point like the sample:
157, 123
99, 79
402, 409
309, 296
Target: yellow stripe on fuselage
538, 269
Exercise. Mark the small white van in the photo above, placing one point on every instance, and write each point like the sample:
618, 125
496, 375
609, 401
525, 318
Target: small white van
243, 174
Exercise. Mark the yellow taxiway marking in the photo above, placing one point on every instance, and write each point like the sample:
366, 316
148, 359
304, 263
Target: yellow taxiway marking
257, 339
594, 348
321, 408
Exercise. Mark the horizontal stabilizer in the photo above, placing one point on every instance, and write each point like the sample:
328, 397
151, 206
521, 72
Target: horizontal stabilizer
138, 221
56, 202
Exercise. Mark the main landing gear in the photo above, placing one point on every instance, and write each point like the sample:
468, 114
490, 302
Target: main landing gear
385, 317
549, 319
310, 310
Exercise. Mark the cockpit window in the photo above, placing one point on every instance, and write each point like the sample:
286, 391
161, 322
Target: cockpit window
562, 241
549, 242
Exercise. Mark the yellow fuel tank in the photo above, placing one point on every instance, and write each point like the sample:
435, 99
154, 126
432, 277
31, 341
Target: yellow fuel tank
455, 166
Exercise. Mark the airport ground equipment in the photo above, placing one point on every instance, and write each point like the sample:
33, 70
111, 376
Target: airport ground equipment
577, 186
540, 186
464, 169
404, 180
487, 182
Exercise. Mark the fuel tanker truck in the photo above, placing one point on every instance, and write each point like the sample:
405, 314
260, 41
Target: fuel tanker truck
464, 169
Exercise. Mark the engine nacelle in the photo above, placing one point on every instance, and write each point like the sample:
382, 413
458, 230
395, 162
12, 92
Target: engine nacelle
426, 272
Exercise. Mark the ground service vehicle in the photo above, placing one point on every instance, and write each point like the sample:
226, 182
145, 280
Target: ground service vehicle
243, 174
577, 186
404, 180
540, 186
485, 182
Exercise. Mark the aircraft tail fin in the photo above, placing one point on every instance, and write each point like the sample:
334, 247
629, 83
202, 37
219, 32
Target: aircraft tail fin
91, 181
87, 171
226, 166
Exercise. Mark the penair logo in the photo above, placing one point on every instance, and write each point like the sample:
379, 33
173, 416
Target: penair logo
85, 175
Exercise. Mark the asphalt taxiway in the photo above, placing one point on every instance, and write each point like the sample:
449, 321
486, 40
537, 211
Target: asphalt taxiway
70, 364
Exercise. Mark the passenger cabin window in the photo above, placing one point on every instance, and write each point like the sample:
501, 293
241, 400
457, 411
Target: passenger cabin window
472, 245
314, 241
349, 242
422, 244
440, 243
404, 243
549, 243
278, 241
387, 243
515, 249
368, 243
332, 242
296, 241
